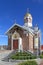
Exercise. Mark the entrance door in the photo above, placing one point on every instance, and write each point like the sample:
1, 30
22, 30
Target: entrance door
15, 44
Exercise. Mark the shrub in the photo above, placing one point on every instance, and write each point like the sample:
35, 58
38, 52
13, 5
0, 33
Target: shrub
12, 57
22, 55
28, 63
42, 52
41, 56
32, 57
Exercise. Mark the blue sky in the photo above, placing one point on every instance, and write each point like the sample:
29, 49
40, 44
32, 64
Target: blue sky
16, 9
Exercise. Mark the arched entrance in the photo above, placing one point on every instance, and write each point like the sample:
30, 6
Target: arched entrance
16, 41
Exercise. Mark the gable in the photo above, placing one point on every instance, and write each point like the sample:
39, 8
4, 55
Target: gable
19, 27
13, 27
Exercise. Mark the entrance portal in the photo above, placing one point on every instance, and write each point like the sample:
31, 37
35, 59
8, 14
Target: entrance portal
15, 44
16, 41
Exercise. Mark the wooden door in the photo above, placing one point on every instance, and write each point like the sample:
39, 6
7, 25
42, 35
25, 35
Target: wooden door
15, 44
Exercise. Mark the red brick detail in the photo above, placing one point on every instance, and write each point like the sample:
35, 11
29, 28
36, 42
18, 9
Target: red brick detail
25, 42
9, 43
41, 47
31, 42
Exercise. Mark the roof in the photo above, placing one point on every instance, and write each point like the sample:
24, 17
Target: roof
28, 29
12, 27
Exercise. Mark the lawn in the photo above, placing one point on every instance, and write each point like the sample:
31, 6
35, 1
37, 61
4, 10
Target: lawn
28, 63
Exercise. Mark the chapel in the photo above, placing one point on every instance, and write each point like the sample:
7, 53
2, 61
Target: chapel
24, 37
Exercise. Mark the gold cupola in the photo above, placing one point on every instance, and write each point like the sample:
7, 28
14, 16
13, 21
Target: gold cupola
28, 19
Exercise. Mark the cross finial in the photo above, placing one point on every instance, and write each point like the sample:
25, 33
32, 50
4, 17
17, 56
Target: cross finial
27, 10
36, 25
15, 21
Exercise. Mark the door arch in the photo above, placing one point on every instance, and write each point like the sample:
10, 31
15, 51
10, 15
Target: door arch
16, 42
15, 37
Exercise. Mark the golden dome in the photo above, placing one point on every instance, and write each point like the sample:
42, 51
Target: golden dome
27, 15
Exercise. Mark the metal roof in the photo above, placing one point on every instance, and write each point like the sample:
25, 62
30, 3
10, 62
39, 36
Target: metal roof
28, 29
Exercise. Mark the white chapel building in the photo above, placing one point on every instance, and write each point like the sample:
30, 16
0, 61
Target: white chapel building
24, 37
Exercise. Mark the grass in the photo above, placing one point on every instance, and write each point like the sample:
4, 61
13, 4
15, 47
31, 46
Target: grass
28, 63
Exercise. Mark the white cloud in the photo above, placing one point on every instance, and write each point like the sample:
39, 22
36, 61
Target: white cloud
3, 36
38, 1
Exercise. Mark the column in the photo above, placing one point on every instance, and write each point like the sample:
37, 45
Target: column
11, 43
20, 44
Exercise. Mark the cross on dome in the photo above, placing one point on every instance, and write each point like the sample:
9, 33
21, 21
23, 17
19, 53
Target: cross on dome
27, 10
15, 21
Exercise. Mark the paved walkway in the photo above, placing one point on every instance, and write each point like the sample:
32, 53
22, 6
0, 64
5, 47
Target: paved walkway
3, 54
41, 63
7, 63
